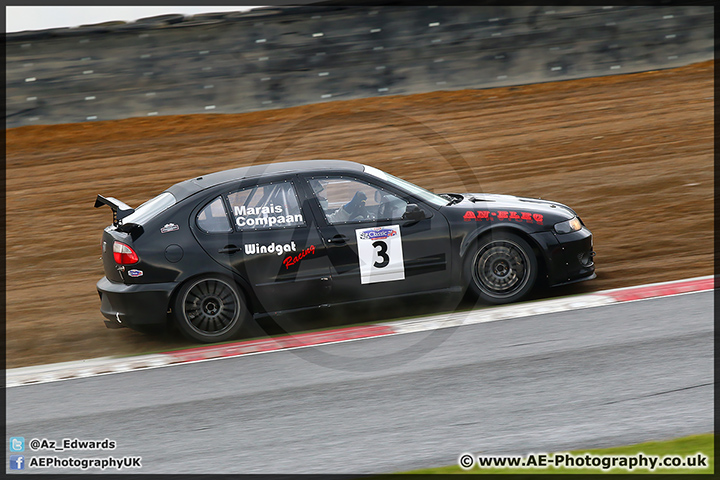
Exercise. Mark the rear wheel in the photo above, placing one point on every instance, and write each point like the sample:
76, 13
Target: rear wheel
210, 309
502, 269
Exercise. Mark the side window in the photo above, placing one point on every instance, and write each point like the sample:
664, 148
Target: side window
262, 207
213, 218
346, 200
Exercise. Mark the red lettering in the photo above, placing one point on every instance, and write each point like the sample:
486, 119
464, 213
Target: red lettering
537, 217
483, 214
469, 216
526, 216
288, 261
514, 216
502, 214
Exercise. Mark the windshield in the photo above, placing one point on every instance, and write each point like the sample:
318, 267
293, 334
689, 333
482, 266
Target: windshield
420, 192
149, 209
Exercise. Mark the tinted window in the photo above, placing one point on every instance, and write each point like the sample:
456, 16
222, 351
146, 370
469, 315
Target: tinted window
426, 195
345, 200
262, 207
151, 208
213, 218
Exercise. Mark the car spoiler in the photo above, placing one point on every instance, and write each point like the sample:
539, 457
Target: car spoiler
120, 210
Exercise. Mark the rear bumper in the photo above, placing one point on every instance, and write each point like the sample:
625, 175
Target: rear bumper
569, 257
134, 306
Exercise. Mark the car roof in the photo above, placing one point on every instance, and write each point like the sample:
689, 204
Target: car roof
191, 186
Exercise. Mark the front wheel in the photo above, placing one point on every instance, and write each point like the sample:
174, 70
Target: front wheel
502, 269
210, 309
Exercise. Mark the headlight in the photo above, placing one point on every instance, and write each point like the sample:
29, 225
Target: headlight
572, 225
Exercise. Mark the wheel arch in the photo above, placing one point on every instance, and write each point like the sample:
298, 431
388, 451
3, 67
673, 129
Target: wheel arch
242, 284
477, 236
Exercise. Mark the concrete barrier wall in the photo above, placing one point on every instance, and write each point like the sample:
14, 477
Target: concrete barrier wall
280, 57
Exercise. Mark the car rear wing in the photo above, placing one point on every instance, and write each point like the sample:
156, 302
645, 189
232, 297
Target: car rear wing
120, 210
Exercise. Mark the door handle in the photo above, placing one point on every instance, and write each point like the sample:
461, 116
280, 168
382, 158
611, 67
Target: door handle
338, 239
230, 249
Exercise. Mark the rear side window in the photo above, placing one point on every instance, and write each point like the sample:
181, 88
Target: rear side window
213, 218
151, 208
262, 207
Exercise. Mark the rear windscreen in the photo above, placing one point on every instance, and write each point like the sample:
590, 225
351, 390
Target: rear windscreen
149, 209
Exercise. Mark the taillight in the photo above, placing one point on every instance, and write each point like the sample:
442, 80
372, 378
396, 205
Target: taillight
124, 255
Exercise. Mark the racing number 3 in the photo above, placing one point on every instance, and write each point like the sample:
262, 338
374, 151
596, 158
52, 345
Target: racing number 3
382, 253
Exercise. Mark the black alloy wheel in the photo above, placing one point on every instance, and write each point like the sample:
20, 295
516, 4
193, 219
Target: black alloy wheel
502, 269
210, 309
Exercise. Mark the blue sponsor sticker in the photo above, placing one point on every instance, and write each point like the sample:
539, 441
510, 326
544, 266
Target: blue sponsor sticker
378, 233
135, 273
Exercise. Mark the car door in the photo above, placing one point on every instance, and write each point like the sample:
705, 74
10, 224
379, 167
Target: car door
268, 237
373, 251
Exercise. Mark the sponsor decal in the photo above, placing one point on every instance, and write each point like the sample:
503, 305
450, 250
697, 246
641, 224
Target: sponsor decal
480, 215
269, 216
135, 273
287, 261
169, 227
378, 233
277, 248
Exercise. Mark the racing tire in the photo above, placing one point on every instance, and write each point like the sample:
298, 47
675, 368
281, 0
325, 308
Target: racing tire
210, 309
502, 268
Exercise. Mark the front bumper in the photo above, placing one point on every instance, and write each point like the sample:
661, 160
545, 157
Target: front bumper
569, 257
134, 306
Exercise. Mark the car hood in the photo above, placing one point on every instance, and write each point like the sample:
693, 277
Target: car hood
495, 202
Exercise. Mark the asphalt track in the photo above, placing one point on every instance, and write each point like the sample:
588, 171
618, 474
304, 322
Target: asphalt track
602, 376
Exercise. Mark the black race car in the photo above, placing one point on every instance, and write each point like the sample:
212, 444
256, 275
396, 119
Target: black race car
210, 252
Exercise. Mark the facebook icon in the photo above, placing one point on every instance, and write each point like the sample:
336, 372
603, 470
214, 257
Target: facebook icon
17, 462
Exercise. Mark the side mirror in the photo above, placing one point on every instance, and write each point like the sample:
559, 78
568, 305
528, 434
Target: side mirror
413, 212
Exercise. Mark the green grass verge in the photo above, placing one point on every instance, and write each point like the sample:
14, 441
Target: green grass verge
684, 447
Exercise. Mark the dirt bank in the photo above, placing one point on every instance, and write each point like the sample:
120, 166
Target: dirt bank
633, 154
